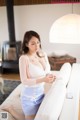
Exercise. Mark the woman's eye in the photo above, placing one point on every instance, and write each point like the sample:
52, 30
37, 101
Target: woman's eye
33, 44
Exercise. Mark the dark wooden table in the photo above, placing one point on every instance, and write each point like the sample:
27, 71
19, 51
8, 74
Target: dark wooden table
57, 62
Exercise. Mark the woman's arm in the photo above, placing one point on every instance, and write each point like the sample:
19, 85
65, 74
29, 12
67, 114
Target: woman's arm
24, 72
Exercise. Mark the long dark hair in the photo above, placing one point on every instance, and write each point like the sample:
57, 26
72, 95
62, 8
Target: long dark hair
27, 37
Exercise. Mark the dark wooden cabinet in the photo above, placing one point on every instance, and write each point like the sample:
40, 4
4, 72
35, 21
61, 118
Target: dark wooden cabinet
57, 62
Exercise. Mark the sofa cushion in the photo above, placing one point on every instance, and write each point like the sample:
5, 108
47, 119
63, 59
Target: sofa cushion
14, 100
10, 117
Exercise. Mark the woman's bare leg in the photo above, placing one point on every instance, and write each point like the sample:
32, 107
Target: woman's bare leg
13, 112
31, 117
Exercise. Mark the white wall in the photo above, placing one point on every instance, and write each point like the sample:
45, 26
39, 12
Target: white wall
40, 19
3, 25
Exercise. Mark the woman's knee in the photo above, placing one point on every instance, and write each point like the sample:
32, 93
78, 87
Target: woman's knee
29, 117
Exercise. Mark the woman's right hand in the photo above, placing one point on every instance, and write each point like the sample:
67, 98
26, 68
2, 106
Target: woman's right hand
49, 78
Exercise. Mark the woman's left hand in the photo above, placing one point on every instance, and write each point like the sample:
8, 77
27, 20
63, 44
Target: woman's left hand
53, 78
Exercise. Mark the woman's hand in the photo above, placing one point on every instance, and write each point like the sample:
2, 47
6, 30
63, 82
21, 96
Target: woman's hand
49, 78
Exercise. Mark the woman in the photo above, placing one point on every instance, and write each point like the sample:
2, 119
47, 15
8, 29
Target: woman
34, 72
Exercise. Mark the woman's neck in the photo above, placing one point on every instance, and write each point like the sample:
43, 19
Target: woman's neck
31, 54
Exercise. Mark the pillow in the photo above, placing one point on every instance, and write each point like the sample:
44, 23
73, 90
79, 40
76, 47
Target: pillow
51, 106
64, 74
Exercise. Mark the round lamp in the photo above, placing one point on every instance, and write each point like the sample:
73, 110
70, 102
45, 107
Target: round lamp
66, 30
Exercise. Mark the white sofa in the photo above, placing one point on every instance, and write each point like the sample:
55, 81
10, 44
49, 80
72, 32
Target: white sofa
61, 100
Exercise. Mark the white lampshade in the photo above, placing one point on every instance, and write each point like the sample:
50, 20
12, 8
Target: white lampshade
66, 30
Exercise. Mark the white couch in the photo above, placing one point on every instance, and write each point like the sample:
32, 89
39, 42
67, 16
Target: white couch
61, 100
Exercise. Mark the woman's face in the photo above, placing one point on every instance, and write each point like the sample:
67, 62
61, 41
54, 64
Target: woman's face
33, 45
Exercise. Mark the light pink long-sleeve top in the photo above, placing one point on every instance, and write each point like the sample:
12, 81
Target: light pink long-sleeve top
30, 72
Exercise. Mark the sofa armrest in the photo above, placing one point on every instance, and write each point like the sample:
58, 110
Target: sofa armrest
52, 103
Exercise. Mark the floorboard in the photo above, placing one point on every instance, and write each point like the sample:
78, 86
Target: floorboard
10, 76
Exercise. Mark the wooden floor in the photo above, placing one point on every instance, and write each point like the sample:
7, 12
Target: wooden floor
10, 76
17, 77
